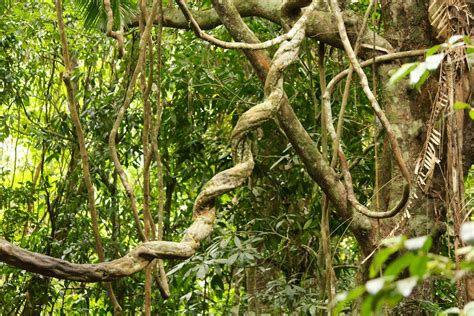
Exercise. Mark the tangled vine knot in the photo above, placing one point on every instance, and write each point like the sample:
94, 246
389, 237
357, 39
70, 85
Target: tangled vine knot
224, 181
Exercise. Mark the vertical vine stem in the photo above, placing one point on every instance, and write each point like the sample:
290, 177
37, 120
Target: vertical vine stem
162, 279
383, 119
145, 85
328, 281
72, 106
110, 26
145, 37
345, 96
365, 86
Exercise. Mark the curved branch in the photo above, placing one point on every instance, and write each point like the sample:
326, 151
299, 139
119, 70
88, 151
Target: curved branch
110, 25
379, 59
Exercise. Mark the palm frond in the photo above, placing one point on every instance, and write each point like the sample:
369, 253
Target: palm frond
94, 15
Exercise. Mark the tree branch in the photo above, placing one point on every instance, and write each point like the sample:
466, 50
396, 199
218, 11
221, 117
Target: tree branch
321, 25
316, 166
133, 262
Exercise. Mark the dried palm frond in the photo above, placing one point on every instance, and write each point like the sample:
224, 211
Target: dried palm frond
449, 17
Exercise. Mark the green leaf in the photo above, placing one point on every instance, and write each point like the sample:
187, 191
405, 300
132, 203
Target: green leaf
415, 243
399, 264
374, 286
401, 73
224, 242
232, 259
202, 271
471, 114
367, 306
237, 242
419, 266
406, 286
422, 80
417, 73
380, 259
427, 245
432, 50
460, 105
353, 295
307, 224
433, 62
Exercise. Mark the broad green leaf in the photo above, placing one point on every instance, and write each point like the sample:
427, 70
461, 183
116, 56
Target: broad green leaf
417, 73
380, 259
467, 232
415, 243
402, 72
471, 114
375, 285
224, 242
352, 295
399, 264
406, 286
432, 50
433, 62
460, 105
355, 293
237, 242
202, 271
427, 245
232, 259
367, 306
419, 266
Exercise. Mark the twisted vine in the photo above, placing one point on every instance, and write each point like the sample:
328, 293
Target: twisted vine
203, 211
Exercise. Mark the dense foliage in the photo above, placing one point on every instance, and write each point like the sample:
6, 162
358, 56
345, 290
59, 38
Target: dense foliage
270, 226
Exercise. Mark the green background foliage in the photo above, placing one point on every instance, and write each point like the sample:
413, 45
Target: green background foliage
271, 224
